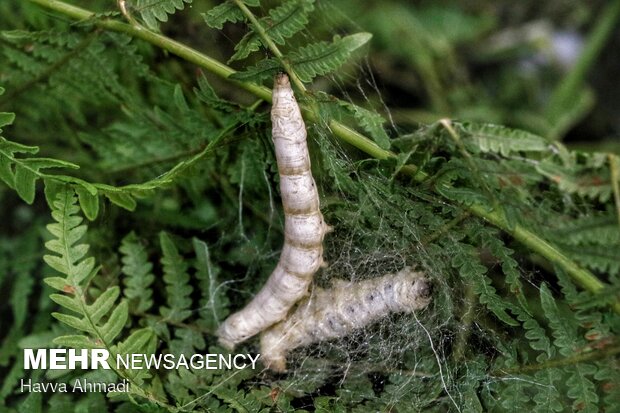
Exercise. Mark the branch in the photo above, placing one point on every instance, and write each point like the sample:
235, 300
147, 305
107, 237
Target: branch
573, 81
581, 276
270, 44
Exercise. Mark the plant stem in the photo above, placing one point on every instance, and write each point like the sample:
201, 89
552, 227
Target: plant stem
572, 82
258, 28
581, 276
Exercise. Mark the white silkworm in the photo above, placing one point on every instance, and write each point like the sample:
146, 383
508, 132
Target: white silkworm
304, 228
342, 309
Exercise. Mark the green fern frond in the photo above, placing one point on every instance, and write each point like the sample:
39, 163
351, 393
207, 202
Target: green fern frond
138, 274
53, 57
177, 282
155, 11
609, 377
141, 341
499, 139
603, 258
283, 22
226, 12
101, 319
514, 396
472, 271
536, 335
370, 121
67, 231
581, 389
263, 70
598, 229
547, 396
585, 177
321, 58
205, 93
490, 238
23, 271
5, 117
214, 303
563, 326
22, 174
468, 194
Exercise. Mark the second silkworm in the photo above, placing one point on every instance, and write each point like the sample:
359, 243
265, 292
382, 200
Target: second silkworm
342, 309
302, 253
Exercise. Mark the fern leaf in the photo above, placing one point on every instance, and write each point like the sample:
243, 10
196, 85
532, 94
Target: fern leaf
283, 22
462, 194
581, 388
138, 274
223, 13
75, 341
137, 341
177, 282
514, 396
609, 377
23, 173
499, 139
470, 268
112, 328
263, 70
155, 11
206, 93
322, 58
371, 121
490, 238
69, 259
57, 283
547, 397
66, 302
593, 185
214, 304
141, 341
601, 229
123, 200
103, 304
536, 335
68, 232
89, 202
5, 117
74, 322
564, 327
602, 258
28, 245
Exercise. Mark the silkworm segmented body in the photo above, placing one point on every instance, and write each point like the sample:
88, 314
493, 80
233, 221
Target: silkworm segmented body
338, 311
304, 228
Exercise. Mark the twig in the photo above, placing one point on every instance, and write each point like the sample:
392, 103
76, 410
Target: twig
258, 28
570, 84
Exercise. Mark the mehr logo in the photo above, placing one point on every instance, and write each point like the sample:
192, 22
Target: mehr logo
98, 358
65, 359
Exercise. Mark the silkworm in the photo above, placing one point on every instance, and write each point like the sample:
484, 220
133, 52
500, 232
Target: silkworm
304, 227
342, 309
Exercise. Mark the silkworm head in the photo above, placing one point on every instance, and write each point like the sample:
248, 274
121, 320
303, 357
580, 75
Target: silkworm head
420, 293
282, 79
